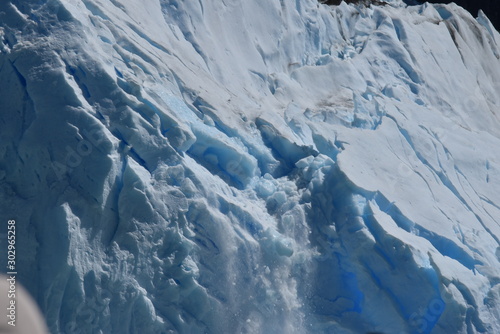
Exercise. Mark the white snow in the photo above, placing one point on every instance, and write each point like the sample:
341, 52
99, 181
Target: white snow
252, 166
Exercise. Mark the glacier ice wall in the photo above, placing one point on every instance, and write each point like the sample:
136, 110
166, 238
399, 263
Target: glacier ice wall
252, 166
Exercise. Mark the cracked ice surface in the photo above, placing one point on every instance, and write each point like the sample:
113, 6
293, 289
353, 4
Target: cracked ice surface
253, 166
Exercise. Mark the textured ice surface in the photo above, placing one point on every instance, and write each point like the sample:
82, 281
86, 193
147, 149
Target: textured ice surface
252, 166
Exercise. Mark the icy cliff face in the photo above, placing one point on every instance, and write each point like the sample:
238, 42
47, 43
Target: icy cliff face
252, 166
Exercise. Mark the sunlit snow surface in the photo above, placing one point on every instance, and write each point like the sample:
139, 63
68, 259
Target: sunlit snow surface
264, 166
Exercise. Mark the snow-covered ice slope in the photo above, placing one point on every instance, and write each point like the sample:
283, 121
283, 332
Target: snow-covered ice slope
268, 166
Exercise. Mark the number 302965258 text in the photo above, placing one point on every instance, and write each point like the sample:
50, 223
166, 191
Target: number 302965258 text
11, 248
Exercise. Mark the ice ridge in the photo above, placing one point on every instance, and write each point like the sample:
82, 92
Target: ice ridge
252, 166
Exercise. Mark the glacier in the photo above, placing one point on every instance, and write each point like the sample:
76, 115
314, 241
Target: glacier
259, 166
